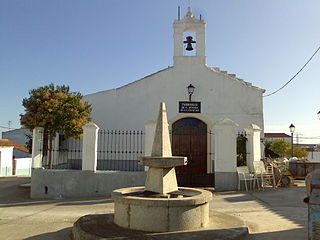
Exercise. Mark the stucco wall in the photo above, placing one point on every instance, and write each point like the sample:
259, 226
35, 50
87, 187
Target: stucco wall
6, 156
23, 166
20, 154
53, 184
17, 135
56, 184
221, 96
314, 156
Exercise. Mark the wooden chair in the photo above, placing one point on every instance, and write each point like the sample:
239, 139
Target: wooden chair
245, 176
266, 174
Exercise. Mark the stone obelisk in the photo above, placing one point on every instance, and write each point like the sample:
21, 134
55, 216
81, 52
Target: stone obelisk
161, 176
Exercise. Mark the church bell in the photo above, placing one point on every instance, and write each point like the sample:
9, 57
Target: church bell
189, 42
189, 47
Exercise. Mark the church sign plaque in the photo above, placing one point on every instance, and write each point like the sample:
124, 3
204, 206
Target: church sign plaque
189, 107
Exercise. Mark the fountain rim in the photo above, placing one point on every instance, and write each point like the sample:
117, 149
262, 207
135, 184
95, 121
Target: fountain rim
201, 197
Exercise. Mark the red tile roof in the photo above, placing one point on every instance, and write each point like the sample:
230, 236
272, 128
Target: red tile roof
276, 135
9, 143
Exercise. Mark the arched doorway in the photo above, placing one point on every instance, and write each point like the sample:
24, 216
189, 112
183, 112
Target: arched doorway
189, 139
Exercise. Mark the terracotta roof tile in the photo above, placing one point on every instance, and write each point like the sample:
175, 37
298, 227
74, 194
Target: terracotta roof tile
275, 135
9, 143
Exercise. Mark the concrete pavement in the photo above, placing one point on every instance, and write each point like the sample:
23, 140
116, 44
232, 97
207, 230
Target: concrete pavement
269, 214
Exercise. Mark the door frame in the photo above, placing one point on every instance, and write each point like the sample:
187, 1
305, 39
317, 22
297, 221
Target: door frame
209, 124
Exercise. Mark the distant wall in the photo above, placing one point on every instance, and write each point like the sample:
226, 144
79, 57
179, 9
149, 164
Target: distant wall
17, 135
23, 166
6, 155
314, 156
53, 184
20, 154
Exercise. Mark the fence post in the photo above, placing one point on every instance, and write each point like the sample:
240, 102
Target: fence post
55, 150
90, 146
37, 144
253, 145
225, 150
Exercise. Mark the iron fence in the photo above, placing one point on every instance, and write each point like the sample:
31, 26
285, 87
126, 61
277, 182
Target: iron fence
242, 154
117, 150
65, 155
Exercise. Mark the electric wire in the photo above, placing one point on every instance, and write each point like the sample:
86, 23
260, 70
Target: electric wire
294, 75
10, 128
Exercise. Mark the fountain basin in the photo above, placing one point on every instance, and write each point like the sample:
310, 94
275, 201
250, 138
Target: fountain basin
186, 209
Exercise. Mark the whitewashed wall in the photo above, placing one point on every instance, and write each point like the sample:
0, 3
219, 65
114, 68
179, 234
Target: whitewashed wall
6, 161
314, 156
221, 96
23, 166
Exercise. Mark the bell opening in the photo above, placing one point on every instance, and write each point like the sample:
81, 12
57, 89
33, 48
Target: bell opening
189, 44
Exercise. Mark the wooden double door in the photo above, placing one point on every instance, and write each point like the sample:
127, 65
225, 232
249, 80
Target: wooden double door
189, 139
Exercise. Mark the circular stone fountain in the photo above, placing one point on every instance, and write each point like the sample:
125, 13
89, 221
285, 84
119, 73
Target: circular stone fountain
161, 206
187, 209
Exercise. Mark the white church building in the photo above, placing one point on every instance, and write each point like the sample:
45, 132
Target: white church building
206, 108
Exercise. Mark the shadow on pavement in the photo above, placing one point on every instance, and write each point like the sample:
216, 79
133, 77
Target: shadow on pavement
62, 202
241, 198
63, 234
102, 225
286, 203
288, 234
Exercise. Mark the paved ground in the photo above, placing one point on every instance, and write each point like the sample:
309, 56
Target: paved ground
270, 214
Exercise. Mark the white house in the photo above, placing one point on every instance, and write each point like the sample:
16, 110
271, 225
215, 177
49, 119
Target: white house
219, 99
277, 136
14, 158
6, 157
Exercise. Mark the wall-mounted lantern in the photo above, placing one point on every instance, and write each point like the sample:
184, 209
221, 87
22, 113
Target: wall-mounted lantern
190, 91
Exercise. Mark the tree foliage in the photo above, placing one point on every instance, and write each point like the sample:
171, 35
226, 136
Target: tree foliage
298, 152
241, 150
55, 108
268, 152
282, 148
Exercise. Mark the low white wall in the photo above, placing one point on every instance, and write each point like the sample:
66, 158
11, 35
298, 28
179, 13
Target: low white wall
6, 155
53, 184
23, 166
314, 156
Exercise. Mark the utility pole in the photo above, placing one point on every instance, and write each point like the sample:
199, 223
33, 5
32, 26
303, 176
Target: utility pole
297, 137
9, 124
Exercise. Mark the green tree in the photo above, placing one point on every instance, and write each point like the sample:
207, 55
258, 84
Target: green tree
280, 147
298, 152
55, 108
268, 152
29, 142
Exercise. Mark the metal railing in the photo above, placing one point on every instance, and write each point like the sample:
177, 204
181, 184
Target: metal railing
117, 150
120, 150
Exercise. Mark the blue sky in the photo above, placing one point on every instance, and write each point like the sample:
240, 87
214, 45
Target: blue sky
101, 44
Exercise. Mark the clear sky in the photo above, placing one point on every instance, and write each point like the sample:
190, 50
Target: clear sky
95, 45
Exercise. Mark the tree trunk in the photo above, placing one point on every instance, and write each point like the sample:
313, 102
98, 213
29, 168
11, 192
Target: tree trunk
50, 152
